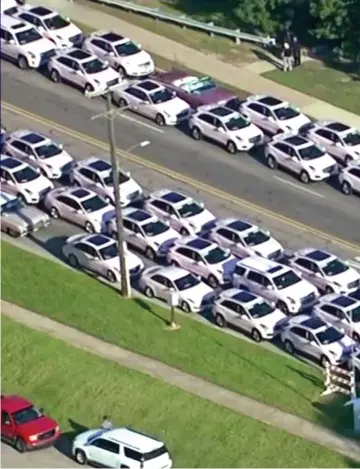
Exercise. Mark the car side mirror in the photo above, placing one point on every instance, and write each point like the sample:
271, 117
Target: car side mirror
41, 29
11, 183
41, 410
111, 54
61, 146
202, 204
138, 235
338, 144
294, 158
140, 46
67, 19
269, 287
11, 42
128, 174
79, 211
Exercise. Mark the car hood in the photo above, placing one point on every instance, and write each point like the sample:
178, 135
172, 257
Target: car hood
299, 290
166, 239
58, 161
296, 122
136, 60
227, 266
39, 46
173, 106
37, 185
354, 151
345, 278
27, 216
128, 188
247, 132
104, 76
132, 261
342, 347
198, 293
267, 248
41, 425
273, 319
203, 218
67, 32
321, 163
104, 215
84, 437
217, 95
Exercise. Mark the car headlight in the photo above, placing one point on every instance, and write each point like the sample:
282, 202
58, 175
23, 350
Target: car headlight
33, 438
333, 353
239, 138
97, 82
336, 284
32, 55
264, 327
57, 429
28, 191
312, 168
292, 301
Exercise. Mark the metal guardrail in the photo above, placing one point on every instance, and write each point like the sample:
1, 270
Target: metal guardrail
186, 22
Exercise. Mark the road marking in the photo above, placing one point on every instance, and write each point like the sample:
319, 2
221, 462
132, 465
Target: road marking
355, 263
185, 179
297, 186
144, 124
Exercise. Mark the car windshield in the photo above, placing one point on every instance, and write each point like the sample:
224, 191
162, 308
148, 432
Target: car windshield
26, 415
286, 280
56, 22
256, 237
285, 113
47, 151
352, 139
217, 255
126, 49
261, 309
312, 152
329, 336
154, 228
94, 66
335, 267
11, 206
161, 96
355, 314
188, 281
237, 123
109, 252
190, 209
27, 36
26, 174
93, 204
108, 179
198, 85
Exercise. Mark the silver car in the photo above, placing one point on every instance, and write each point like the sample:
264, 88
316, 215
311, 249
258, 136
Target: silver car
18, 219
80, 206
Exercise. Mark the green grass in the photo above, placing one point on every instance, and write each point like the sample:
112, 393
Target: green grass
77, 388
339, 88
83, 302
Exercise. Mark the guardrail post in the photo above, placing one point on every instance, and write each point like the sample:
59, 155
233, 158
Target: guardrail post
237, 39
211, 23
183, 17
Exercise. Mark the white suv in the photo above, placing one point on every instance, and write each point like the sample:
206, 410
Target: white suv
300, 156
62, 32
23, 44
326, 271
122, 54
248, 312
226, 127
83, 70
339, 140
349, 179
274, 115
275, 282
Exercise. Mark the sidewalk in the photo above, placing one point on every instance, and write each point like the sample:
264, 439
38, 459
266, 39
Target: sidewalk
189, 383
242, 78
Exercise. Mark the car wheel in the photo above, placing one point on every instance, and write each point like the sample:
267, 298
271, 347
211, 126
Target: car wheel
12, 233
55, 76
348, 160
289, 348
324, 361
54, 213
89, 227
304, 177
220, 321
196, 133
346, 188
328, 291
184, 232
121, 102
271, 162
185, 307
356, 337
20, 445
108, 200
80, 457
283, 307
159, 119
111, 277
150, 253
73, 261
22, 62
88, 88
149, 292
231, 147
213, 281
256, 336
122, 71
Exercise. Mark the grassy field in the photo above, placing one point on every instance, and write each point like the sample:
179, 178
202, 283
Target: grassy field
77, 388
87, 304
340, 88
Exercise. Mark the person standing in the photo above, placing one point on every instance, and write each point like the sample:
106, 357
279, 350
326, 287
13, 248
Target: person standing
297, 52
287, 57
107, 423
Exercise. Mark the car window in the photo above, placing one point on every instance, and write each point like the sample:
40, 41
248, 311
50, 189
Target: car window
305, 263
355, 172
134, 92
5, 417
230, 305
143, 96
136, 228
267, 112
159, 279
255, 277
206, 118
299, 332
128, 225
292, 152
227, 234
257, 108
19, 145
282, 147
329, 310
234, 104
169, 209
86, 173
106, 445
2, 34
324, 134
185, 252
197, 257
65, 61
132, 454
310, 337
99, 43
5, 175
159, 204
240, 270
69, 202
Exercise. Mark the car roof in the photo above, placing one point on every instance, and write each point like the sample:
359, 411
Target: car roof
171, 272
262, 265
338, 127
196, 243
79, 54
238, 225
97, 164
133, 439
110, 36
148, 85
169, 196
98, 240
221, 111
80, 193
12, 403
242, 296
6, 197
315, 255
41, 11
270, 101
9, 162
13, 23
29, 136
137, 214
297, 141
314, 323
343, 301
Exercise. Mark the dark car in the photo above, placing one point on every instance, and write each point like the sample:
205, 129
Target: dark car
194, 90
355, 294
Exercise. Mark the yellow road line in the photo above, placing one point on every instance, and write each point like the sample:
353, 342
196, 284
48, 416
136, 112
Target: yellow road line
183, 178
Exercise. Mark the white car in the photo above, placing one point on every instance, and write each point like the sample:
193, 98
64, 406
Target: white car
300, 156
80, 206
22, 180
96, 174
23, 44
120, 447
99, 254
154, 101
203, 258
145, 232
274, 115
83, 70
245, 239
9, 7
128, 58
226, 127
339, 140
193, 294
184, 214
62, 32
311, 336
41, 152
326, 271
341, 311
349, 179
3, 136
275, 282
248, 312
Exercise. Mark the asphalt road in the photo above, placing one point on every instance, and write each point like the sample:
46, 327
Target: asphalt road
318, 206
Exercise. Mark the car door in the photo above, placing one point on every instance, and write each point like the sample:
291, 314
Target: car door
159, 284
134, 235
144, 106
97, 47
186, 260
78, 75
9, 46
293, 161
207, 125
230, 312
312, 346
85, 177
354, 176
336, 317
132, 97
282, 154
298, 337
104, 453
65, 68
270, 121
323, 136
16, 148
257, 115
7, 427
91, 259
242, 319
158, 208
70, 210
228, 239
8, 182
255, 283
306, 268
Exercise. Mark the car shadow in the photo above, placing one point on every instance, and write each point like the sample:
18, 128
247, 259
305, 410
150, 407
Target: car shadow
64, 443
52, 245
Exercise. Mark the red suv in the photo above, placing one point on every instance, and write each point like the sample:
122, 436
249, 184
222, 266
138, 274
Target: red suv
25, 426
